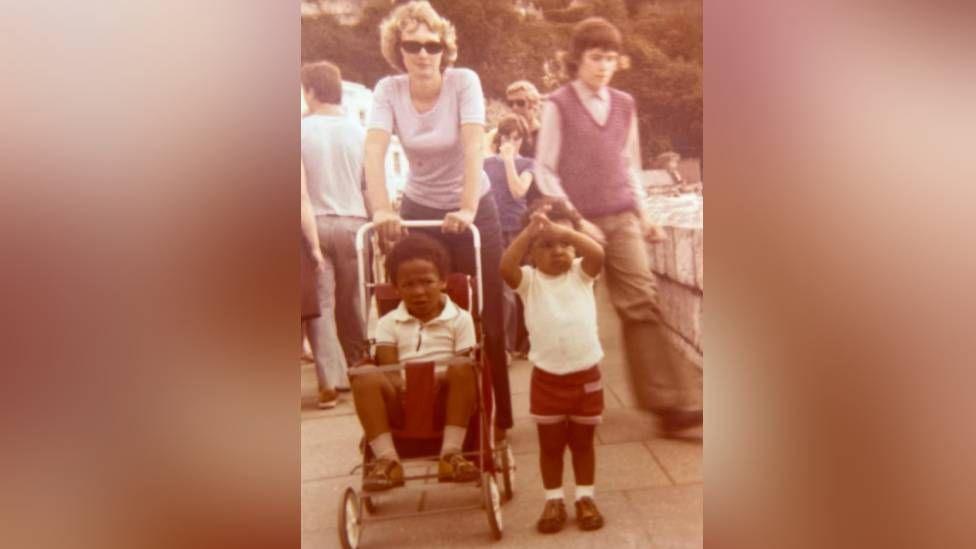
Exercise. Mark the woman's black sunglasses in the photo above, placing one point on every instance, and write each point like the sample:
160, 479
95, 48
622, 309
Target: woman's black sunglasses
432, 48
517, 103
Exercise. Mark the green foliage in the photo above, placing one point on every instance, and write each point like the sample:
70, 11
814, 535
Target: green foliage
663, 39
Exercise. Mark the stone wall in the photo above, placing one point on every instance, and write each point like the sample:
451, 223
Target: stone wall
678, 264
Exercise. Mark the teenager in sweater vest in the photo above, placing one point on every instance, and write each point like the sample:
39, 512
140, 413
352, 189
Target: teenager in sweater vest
588, 151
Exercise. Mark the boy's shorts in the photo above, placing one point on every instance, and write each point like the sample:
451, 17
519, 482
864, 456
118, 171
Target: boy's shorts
577, 397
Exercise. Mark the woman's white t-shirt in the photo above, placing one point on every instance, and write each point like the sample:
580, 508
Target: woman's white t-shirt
432, 140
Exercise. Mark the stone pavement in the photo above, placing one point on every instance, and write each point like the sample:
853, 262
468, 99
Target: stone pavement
648, 488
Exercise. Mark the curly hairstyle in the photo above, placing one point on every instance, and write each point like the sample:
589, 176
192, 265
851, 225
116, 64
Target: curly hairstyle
559, 210
405, 17
417, 246
524, 86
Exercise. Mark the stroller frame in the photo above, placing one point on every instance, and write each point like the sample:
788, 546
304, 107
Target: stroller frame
357, 507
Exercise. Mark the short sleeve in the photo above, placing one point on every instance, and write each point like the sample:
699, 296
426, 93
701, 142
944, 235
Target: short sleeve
464, 337
471, 99
580, 273
381, 113
523, 288
386, 330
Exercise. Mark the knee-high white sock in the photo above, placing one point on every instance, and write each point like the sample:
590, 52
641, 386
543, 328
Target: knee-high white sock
453, 439
383, 447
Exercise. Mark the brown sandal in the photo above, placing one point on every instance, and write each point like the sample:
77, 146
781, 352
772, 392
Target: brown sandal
383, 474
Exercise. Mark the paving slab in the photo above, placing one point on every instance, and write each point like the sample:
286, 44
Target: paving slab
626, 425
330, 447
680, 459
672, 515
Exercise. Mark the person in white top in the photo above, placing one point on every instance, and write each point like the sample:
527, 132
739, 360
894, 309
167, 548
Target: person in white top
566, 394
426, 326
332, 165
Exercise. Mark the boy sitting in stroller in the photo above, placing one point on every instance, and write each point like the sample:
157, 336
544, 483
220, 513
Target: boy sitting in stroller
426, 326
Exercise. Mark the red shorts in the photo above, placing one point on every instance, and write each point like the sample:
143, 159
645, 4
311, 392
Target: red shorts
577, 397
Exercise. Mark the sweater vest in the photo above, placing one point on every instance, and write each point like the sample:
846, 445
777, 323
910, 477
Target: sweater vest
592, 167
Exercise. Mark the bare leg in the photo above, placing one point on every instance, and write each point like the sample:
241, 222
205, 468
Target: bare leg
552, 446
461, 395
373, 395
584, 456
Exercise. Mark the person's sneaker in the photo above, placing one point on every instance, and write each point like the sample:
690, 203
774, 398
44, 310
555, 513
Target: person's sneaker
454, 468
553, 517
587, 515
383, 474
328, 398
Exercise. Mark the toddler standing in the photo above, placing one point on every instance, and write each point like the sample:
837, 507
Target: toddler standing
566, 396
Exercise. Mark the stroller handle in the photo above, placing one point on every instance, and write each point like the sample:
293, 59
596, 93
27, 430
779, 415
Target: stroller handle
368, 227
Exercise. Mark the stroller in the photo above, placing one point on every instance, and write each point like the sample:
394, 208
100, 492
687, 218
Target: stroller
418, 440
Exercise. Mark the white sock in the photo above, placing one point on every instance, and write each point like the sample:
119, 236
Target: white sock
584, 491
383, 447
555, 493
453, 439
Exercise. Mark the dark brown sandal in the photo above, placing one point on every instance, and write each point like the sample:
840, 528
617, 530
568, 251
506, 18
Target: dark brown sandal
587, 515
383, 474
553, 517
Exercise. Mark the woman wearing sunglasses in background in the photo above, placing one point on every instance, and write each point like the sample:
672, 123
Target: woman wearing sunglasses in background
438, 113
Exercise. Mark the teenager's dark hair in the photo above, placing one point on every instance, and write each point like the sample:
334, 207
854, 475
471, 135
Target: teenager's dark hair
417, 246
324, 81
508, 124
559, 210
592, 32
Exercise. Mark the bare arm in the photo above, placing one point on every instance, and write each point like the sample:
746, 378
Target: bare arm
510, 266
518, 184
589, 250
472, 140
387, 221
388, 354
309, 230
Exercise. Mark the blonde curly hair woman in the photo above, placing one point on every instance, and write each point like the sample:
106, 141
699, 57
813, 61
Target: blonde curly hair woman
438, 113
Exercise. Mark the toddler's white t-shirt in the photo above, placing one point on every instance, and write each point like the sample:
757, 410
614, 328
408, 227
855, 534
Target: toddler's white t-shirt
560, 315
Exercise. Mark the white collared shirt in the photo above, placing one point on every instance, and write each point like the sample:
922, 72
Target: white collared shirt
597, 102
441, 338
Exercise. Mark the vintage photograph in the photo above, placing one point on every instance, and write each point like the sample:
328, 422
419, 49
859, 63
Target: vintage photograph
502, 273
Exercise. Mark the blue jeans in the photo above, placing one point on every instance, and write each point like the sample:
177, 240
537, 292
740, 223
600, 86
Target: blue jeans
338, 337
461, 250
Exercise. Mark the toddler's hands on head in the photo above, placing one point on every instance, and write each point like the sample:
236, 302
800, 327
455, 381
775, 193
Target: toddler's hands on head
538, 221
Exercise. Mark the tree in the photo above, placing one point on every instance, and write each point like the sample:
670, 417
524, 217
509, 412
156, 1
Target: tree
662, 38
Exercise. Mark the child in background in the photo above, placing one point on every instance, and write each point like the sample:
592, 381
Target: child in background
510, 175
566, 395
426, 326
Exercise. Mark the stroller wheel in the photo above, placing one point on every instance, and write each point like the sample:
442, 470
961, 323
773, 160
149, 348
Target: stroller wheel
350, 520
493, 505
369, 505
508, 472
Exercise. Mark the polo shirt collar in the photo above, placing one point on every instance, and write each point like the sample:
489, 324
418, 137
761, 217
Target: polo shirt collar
450, 311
